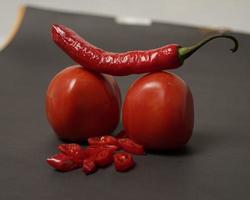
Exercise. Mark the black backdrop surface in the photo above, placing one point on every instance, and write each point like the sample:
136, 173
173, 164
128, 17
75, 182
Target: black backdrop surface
214, 165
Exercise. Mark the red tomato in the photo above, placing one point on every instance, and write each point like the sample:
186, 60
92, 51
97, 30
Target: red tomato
82, 104
158, 111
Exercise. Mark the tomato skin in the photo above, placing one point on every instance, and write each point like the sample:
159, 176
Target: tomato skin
158, 111
82, 104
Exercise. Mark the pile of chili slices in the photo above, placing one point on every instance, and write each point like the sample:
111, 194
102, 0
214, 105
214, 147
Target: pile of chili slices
101, 152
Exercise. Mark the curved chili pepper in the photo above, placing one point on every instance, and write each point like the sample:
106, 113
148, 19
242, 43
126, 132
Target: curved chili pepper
131, 62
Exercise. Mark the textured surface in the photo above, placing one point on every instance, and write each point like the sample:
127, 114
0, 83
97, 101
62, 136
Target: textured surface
215, 164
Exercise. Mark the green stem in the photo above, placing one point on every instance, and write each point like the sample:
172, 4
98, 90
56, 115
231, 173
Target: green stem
185, 52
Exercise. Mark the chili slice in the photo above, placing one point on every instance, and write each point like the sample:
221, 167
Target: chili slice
111, 147
104, 157
130, 146
62, 162
103, 140
73, 150
89, 166
123, 161
91, 152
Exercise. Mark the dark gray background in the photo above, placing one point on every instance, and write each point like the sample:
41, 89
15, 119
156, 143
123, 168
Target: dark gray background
214, 165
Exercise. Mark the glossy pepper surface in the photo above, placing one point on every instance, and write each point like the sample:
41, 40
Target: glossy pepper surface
131, 62
62, 162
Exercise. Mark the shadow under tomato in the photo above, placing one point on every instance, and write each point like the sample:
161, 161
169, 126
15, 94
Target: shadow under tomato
200, 142
184, 151
118, 129
84, 142
204, 141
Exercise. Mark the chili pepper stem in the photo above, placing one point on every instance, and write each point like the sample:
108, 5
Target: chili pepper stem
185, 52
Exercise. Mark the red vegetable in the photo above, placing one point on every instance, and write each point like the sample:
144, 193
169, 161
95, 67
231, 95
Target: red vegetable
165, 118
103, 140
112, 147
130, 146
104, 157
75, 151
132, 62
82, 104
121, 134
89, 166
91, 151
62, 162
123, 161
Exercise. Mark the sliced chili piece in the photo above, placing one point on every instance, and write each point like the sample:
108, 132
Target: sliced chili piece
91, 151
62, 162
121, 134
69, 149
89, 166
111, 147
104, 157
123, 161
130, 146
73, 150
103, 140
98, 147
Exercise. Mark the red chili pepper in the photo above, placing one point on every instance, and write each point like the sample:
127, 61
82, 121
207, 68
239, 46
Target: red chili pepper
73, 150
103, 140
123, 161
130, 146
104, 157
62, 162
132, 62
89, 166
121, 134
